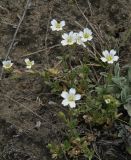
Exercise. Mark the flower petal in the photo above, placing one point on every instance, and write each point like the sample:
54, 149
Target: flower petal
58, 29
65, 36
65, 102
53, 22
72, 91
33, 63
112, 52
110, 62
103, 59
53, 28
87, 30
63, 42
72, 104
62, 23
71, 33
115, 58
27, 60
105, 53
64, 94
90, 38
5, 62
77, 97
81, 33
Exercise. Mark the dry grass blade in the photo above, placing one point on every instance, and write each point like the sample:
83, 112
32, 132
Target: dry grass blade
93, 28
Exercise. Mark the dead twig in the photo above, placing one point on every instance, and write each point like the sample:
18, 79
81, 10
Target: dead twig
41, 50
93, 28
5, 9
15, 34
46, 36
89, 4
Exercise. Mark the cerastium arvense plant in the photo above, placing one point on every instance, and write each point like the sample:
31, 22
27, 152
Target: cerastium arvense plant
98, 104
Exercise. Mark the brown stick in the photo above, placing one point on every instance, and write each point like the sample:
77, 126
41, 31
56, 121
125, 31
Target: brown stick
93, 28
41, 50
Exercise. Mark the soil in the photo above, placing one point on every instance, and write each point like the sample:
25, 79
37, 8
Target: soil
20, 137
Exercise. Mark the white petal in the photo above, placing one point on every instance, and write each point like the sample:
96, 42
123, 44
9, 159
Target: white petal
27, 60
53, 22
75, 35
64, 94
29, 67
33, 63
9, 61
65, 36
81, 33
115, 58
110, 62
63, 42
72, 104
62, 23
112, 52
87, 30
89, 38
4, 62
105, 53
65, 102
71, 33
72, 91
84, 39
58, 29
103, 59
77, 97
53, 28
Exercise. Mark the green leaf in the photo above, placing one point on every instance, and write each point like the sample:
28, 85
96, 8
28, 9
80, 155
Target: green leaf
129, 74
117, 70
128, 148
124, 94
128, 98
120, 81
67, 145
128, 108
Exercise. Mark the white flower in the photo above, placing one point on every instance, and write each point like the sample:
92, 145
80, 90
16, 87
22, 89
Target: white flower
79, 39
69, 38
70, 98
86, 35
109, 57
57, 26
107, 101
29, 63
7, 64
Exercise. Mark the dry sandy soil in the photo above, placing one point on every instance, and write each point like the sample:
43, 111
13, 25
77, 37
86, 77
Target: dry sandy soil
20, 139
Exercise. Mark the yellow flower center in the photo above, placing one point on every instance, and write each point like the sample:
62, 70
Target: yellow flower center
29, 63
69, 40
109, 58
86, 35
58, 25
71, 98
7, 65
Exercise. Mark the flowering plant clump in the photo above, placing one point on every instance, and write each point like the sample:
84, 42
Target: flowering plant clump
79, 40
86, 35
7, 64
70, 98
29, 63
109, 56
68, 38
57, 26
